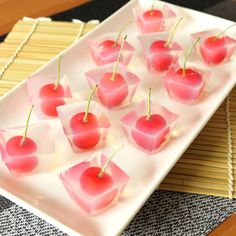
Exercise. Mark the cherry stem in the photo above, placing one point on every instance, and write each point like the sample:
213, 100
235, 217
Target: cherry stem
149, 104
152, 7
85, 119
188, 54
118, 59
59, 73
222, 33
102, 171
27, 126
170, 38
121, 31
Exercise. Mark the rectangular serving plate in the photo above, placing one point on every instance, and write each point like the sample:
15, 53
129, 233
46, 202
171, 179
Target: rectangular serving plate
44, 194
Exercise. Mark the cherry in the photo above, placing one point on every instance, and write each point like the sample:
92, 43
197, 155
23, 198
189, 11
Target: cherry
213, 50
15, 147
161, 50
152, 126
183, 84
19, 154
52, 95
117, 87
159, 46
161, 62
20, 151
87, 134
108, 47
93, 184
85, 127
23, 164
49, 107
154, 14
49, 91
113, 88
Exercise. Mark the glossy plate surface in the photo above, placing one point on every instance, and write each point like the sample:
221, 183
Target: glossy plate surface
45, 196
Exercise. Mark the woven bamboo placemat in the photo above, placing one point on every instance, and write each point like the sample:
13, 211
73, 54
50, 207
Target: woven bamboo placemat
207, 167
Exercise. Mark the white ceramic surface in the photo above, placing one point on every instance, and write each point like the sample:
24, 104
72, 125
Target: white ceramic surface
45, 196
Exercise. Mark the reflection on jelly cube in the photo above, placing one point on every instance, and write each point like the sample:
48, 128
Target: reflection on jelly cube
157, 54
84, 135
32, 156
90, 191
116, 92
213, 49
45, 96
159, 19
186, 88
105, 49
148, 134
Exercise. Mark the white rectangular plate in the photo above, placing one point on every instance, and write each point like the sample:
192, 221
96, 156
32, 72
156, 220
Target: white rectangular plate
44, 194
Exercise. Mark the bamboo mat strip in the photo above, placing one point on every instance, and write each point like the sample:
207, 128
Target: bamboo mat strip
207, 167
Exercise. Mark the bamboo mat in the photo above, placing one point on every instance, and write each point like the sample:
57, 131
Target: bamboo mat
207, 167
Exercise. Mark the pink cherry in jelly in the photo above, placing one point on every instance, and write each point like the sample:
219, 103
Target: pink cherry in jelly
94, 185
49, 107
161, 59
152, 126
86, 134
152, 15
49, 91
109, 47
118, 89
23, 164
183, 84
22, 160
51, 98
213, 50
159, 46
14, 147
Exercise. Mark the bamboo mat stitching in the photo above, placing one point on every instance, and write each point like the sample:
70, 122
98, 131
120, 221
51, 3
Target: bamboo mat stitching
230, 150
19, 48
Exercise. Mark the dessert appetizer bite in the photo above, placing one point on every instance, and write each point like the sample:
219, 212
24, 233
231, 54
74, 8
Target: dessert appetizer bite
105, 49
185, 84
96, 183
215, 46
84, 124
154, 19
116, 85
149, 125
159, 50
47, 92
26, 149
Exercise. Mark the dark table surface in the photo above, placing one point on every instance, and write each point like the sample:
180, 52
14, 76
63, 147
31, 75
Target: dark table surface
166, 213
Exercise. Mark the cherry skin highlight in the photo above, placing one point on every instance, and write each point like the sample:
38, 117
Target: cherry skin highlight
213, 50
94, 185
117, 88
21, 160
86, 134
153, 15
109, 47
152, 126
